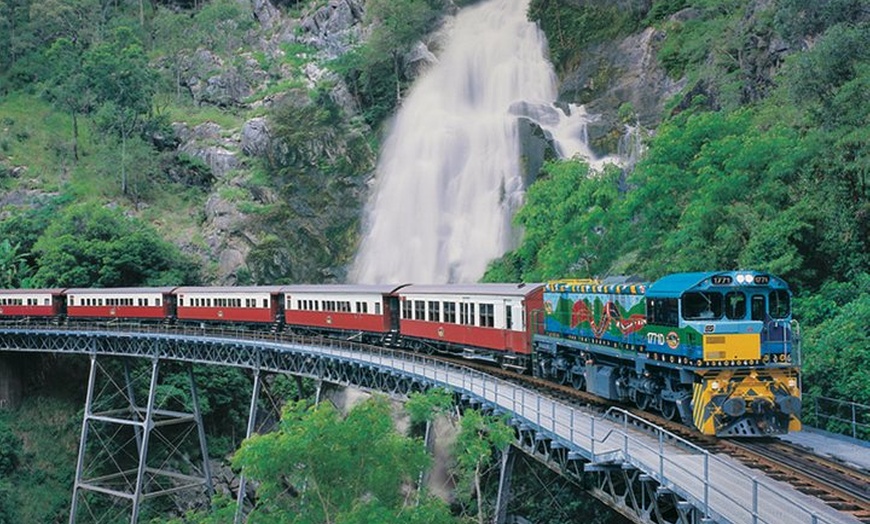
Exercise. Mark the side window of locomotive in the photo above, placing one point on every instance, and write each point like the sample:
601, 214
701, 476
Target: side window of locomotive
735, 305
780, 304
703, 305
758, 307
662, 311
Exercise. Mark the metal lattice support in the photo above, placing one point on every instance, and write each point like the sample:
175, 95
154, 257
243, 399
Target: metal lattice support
127, 452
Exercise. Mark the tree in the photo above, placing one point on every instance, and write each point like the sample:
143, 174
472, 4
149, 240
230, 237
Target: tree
479, 437
13, 265
68, 86
123, 87
319, 467
398, 24
92, 246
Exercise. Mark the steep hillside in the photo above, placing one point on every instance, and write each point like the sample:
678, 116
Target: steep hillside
242, 133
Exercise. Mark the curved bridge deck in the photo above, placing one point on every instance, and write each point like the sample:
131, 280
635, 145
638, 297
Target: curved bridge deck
639, 470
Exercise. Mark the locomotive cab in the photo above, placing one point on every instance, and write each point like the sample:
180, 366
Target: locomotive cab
735, 329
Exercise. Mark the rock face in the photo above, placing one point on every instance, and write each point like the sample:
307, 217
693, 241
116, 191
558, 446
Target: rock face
623, 72
211, 81
333, 28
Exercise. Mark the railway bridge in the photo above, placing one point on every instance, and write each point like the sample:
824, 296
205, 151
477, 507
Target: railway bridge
642, 471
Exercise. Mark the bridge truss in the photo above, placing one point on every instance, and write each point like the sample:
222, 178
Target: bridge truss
612, 464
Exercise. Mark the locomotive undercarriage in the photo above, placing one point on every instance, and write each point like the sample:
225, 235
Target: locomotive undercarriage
716, 402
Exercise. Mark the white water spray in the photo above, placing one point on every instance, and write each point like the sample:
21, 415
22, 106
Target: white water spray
449, 178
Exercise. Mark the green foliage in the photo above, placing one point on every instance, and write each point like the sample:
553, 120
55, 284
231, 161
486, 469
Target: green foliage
570, 218
320, 467
480, 437
424, 407
318, 163
797, 20
10, 449
571, 28
92, 246
13, 265
46, 432
835, 341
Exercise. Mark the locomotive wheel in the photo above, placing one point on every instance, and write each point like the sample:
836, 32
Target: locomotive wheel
669, 409
642, 400
578, 381
561, 376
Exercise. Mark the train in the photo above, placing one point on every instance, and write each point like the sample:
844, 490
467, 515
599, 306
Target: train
718, 351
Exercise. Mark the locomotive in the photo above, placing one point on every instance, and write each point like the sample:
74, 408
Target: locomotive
716, 350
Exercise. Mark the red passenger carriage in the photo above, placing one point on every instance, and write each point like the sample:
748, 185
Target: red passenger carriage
155, 303
22, 303
356, 308
471, 317
243, 305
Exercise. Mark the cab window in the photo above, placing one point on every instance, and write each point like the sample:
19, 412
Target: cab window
735, 305
758, 307
662, 311
703, 305
780, 304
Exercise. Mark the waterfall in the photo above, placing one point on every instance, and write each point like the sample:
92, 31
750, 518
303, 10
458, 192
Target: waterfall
450, 177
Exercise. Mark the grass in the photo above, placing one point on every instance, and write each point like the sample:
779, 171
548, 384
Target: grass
35, 135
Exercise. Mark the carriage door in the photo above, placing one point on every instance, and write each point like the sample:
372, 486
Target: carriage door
392, 312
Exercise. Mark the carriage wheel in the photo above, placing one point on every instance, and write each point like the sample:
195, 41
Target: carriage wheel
578, 381
669, 409
642, 400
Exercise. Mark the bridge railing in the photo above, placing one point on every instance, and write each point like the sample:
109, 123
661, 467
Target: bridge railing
690, 471
842, 416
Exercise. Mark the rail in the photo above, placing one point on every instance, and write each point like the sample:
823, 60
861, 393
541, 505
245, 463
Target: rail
675, 463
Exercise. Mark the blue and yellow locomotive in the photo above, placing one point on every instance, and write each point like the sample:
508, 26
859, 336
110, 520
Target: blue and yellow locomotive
718, 350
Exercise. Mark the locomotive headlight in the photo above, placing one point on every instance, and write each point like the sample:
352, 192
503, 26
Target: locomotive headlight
741, 279
715, 385
792, 383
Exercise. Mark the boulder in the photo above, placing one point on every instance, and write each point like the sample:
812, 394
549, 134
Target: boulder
255, 137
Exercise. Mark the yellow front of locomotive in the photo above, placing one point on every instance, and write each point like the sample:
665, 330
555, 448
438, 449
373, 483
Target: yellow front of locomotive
746, 355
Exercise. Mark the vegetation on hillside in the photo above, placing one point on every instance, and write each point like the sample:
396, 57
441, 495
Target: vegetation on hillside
762, 163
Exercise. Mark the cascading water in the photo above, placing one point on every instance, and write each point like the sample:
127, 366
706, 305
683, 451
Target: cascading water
449, 178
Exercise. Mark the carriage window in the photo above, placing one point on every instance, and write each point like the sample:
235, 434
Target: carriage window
780, 304
509, 317
487, 315
434, 311
156, 302
450, 312
406, 309
377, 308
463, 313
45, 302
758, 307
702, 306
419, 310
662, 311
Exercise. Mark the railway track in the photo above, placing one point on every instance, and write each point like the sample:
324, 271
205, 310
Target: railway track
839, 485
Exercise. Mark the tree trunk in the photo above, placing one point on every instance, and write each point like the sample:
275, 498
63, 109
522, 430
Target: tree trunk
75, 136
479, 494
